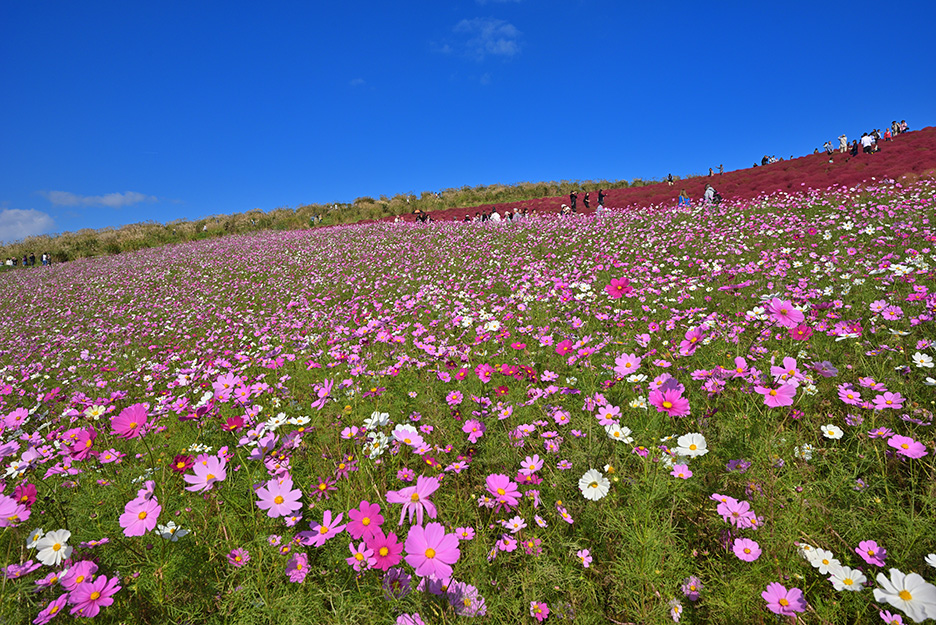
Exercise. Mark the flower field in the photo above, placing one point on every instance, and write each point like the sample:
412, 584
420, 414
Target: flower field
703, 415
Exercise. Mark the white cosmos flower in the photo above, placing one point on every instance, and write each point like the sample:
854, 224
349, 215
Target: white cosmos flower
618, 433
823, 560
34, 537
931, 560
594, 485
923, 360
832, 431
846, 578
53, 547
910, 594
376, 420
170, 531
691, 445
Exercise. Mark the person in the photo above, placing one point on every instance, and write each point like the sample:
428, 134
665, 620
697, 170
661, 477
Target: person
709, 195
683, 198
495, 216
710, 172
601, 197
903, 126
565, 210
828, 147
843, 144
764, 160
721, 169
669, 179
467, 218
854, 148
572, 198
887, 134
585, 200
867, 143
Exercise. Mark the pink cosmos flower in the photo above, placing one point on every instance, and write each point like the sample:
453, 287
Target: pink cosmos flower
564, 347
607, 415
503, 490
238, 557
88, 598
746, 549
78, 574
681, 471
140, 516
208, 470
784, 314
539, 611
626, 364
777, 397
279, 498
297, 568
51, 610
871, 552
788, 373
850, 396
906, 446
670, 401
474, 429
619, 287
415, 499
584, 557
129, 423
386, 549
431, 551
484, 372
328, 528
688, 346
361, 557
782, 601
888, 400
365, 520
531, 465
464, 533
738, 513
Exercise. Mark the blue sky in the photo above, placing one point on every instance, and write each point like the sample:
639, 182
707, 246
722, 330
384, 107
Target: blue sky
117, 113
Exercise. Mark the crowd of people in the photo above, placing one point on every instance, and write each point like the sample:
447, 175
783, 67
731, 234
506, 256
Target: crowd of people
28, 260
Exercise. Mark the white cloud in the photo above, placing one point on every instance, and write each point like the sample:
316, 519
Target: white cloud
16, 224
357, 82
489, 37
112, 200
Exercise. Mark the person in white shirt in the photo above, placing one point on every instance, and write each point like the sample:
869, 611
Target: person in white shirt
495, 216
867, 143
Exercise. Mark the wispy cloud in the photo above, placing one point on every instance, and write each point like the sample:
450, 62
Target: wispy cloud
357, 82
112, 200
485, 36
16, 224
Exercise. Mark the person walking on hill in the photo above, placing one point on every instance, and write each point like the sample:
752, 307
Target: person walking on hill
572, 198
601, 197
843, 144
585, 200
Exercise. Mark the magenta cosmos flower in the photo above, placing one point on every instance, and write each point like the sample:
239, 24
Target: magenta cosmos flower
51, 610
906, 446
140, 516
88, 598
297, 568
431, 551
539, 611
279, 498
238, 557
777, 397
386, 549
365, 520
129, 423
784, 314
619, 287
670, 401
503, 490
782, 601
415, 499
208, 470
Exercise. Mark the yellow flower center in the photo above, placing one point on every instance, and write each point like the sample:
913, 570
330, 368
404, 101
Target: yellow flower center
667, 404
593, 485
56, 546
692, 447
359, 556
323, 486
210, 476
501, 491
365, 521
414, 497
784, 602
133, 424
323, 529
906, 596
430, 552
848, 581
53, 610
278, 499
773, 393
383, 551
95, 596
142, 515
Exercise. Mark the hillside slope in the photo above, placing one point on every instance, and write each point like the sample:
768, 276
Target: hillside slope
910, 155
